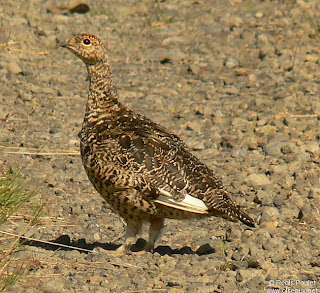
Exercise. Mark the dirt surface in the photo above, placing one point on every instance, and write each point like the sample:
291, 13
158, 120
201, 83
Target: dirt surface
237, 80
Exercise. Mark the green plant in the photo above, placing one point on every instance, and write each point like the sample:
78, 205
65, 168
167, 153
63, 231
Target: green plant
15, 197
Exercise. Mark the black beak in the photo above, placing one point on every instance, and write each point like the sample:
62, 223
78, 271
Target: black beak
64, 44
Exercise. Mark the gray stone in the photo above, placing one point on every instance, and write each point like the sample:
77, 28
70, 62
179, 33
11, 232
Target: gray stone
274, 244
257, 180
205, 249
54, 285
290, 211
232, 20
269, 214
14, 68
264, 197
279, 169
313, 147
280, 148
280, 199
231, 62
174, 40
244, 275
277, 257
51, 42
238, 152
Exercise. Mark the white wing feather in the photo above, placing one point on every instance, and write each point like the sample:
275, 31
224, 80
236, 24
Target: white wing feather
189, 203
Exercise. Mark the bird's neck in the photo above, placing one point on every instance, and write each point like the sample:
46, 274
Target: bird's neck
103, 92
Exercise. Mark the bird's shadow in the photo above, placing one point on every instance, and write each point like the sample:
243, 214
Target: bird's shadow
64, 242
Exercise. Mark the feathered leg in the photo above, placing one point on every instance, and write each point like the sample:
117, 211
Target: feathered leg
133, 228
156, 224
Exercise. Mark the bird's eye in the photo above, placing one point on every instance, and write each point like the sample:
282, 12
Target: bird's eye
87, 42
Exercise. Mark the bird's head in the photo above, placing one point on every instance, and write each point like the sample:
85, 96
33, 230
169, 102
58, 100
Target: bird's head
87, 47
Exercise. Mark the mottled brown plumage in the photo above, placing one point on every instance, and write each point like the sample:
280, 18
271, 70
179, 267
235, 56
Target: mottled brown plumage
144, 172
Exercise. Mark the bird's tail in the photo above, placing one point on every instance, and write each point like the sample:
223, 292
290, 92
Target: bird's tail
227, 209
233, 213
243, 217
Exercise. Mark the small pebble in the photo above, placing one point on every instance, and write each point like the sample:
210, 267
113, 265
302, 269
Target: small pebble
14, 68
257, 180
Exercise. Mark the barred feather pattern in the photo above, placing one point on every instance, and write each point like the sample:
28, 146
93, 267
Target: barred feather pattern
141, 169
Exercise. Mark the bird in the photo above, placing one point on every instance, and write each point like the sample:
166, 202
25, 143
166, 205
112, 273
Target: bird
145, 172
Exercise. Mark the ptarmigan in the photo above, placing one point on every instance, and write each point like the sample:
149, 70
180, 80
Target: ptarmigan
144, 171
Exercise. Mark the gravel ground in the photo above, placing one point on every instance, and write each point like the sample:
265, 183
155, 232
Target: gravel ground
237, 80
